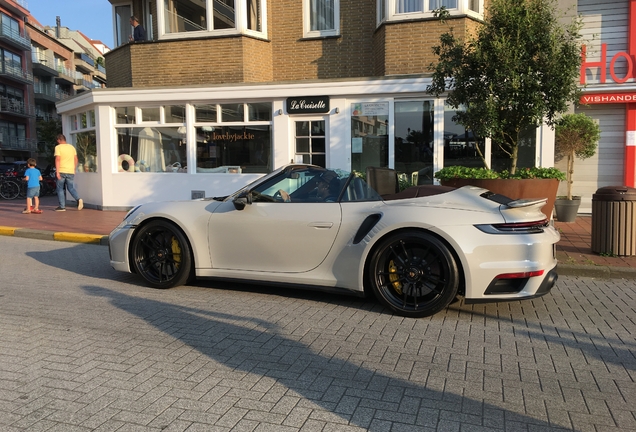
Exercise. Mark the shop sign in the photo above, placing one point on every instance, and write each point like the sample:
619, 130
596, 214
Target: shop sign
308, 105
608, 98
602, 64
370, 109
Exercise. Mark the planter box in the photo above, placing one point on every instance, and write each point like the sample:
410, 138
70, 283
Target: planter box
515, 188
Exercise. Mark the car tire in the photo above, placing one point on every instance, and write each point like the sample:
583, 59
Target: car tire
161, 255
413, 273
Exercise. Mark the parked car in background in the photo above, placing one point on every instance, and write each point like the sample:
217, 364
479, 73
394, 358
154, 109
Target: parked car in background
306, 226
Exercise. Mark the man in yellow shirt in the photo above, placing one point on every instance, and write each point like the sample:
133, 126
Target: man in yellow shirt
65, 165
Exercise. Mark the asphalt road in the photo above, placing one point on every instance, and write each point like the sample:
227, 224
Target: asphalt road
85, 348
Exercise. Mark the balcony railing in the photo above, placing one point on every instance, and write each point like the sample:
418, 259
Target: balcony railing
15, 143
44, 89
46, 116
11, 70
14, 37
62, 95
101, 68
16, 107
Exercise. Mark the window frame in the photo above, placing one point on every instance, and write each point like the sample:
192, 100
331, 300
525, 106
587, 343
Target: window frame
309, 33
385, 11
241, 21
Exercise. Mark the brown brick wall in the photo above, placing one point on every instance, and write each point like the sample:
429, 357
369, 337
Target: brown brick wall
361, 50
350, 55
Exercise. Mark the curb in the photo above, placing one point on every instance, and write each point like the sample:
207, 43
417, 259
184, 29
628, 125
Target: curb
57, 236
596, 271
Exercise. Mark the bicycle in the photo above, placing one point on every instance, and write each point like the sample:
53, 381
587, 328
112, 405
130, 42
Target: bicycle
9, 188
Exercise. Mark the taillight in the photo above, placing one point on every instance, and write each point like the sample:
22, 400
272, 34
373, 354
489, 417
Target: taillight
521, 275
533, 227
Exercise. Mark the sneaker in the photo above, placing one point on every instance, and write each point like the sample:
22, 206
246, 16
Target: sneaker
60, 209
80, 204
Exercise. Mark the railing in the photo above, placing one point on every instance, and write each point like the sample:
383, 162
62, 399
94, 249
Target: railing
22, 3
61, 94
46, 116
13, 34
16, 71
45, 58
101, 68
14, 106
46, 89
64, 71
15, 143
86, 58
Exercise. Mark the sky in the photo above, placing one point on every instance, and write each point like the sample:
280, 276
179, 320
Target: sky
94, 18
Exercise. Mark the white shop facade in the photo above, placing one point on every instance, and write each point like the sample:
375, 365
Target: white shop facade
159, 144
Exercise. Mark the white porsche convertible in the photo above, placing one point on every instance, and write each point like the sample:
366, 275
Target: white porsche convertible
306, 226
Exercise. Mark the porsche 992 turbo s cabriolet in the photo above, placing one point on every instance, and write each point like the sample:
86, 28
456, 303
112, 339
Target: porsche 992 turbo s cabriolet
306, 226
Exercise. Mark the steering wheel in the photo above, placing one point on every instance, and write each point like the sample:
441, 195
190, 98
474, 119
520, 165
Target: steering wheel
260, 197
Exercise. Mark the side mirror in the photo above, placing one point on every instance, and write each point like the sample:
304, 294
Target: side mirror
242, 200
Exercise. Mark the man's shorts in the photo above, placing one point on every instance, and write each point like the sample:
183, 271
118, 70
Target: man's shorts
33, 192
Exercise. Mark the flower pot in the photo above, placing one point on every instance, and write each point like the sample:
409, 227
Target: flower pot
515, 188
566, 210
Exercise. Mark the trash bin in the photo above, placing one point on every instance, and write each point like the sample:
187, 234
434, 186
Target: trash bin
614, 220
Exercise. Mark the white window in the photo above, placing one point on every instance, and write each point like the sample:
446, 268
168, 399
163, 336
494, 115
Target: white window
321, 18
186, 18
395, 10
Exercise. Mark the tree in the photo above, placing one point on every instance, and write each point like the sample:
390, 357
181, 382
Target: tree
47, 132
519, 70
576, 136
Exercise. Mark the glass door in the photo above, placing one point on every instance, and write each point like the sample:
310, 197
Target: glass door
414, 140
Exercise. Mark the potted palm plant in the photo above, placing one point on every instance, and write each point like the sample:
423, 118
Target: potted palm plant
576, 136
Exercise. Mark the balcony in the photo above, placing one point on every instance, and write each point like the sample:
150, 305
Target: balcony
61, 95
65, 75
84, 63
100, 73
15, 143
15, 72
16, 107
44, 92
46, 116
43, 64
14, 38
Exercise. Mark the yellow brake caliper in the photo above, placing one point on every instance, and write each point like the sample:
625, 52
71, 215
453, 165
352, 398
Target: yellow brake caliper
176, 251
394, 278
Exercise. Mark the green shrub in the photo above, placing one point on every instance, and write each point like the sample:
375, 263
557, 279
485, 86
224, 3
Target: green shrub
462, 172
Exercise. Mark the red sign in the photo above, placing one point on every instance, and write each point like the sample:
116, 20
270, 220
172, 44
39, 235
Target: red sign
608, 98
602, 65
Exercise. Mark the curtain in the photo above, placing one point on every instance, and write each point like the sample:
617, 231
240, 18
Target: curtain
322, 15
405, 6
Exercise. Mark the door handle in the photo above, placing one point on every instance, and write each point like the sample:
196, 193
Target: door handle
321, 224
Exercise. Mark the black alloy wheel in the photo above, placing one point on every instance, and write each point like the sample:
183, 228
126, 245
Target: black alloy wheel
161, 254
414, 273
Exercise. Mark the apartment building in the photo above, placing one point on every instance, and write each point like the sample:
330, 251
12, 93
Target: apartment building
17, 108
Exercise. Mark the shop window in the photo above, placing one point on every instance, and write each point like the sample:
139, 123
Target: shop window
232, 113
151, 149
86, 146
310, 142
174, 114
151, 114
369, 135
125, 115
461, 146
206, 113
234, 149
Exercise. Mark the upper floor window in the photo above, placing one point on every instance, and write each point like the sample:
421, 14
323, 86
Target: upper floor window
10, 25
395, 10
321, 18
184, 18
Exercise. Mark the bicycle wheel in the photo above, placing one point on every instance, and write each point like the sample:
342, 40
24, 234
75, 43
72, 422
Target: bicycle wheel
22, 189
9, 190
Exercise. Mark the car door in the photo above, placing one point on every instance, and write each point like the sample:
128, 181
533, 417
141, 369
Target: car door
289, 237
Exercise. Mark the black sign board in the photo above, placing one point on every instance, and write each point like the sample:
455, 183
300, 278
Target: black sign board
308, 104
